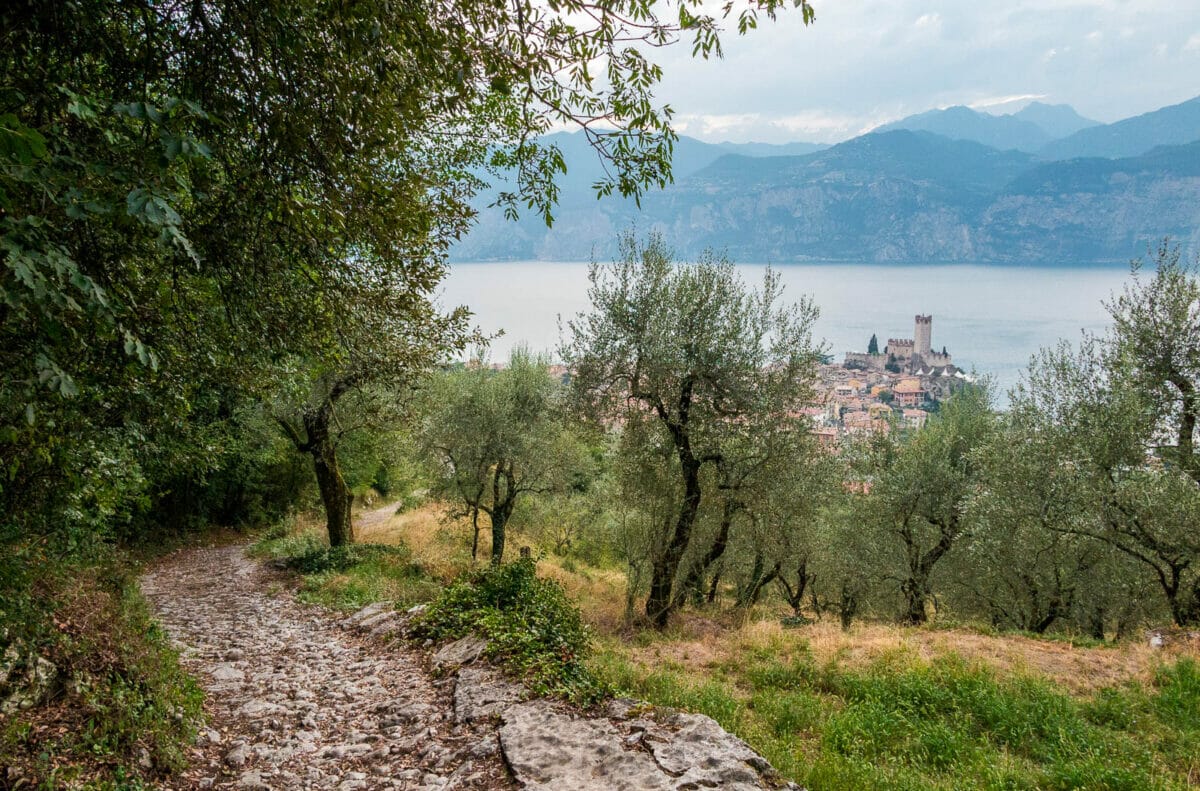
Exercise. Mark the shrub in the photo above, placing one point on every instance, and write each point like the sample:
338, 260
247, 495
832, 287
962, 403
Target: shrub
316, 559
532, 628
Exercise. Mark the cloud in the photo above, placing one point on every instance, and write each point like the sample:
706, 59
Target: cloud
997, 101
933, 21
812, 125
868, 61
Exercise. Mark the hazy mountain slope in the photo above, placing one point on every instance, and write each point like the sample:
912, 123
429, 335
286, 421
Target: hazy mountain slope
1096, 209
882, 197
892, 196
1174, 125
1056, 120
963, 123
772, 149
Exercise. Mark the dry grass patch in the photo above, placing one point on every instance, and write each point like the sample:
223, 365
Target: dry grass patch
443, 546
1075, 669
701, 641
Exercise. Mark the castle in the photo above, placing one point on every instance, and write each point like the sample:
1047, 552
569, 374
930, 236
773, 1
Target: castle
904, 355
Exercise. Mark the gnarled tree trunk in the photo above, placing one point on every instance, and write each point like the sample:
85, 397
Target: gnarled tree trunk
320, 443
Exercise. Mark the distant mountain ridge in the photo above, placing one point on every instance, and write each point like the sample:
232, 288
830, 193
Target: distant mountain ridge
1056, 120
1173, 125
898, 195
1030, 129
962, 123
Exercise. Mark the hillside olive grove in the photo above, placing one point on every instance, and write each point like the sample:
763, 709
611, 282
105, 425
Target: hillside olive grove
1074, 510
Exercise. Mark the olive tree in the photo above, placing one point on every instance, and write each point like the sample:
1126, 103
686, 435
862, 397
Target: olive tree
918, 504
1154, 348
704, 358
1109, 425
497, 436
1021, 566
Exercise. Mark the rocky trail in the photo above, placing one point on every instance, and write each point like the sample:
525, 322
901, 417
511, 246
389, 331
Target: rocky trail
301, 698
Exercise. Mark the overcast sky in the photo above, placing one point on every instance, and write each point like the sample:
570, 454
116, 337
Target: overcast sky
865, 62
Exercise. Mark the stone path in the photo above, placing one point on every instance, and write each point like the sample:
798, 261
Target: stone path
300, 699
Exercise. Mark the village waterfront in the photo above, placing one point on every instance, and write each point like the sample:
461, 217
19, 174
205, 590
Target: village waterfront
991, 319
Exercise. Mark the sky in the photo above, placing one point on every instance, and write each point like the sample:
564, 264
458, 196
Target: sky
867, 62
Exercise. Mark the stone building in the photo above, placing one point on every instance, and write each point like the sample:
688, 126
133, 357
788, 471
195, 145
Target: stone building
904, 355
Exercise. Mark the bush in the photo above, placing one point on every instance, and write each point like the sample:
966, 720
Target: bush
532, 628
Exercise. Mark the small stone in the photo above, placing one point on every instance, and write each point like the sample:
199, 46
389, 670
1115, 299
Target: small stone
208, 736
238, 755
481, 693
252, 780
484, 748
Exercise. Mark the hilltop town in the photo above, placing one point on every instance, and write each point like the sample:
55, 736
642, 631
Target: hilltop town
878, 390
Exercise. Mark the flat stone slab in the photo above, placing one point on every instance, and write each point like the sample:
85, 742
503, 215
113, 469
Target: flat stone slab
372, 609
699, 752
551, 751
481, 693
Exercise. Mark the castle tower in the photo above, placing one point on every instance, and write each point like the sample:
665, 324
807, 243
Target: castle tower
922, 335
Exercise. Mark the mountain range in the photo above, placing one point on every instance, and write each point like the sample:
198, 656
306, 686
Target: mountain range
1041, 186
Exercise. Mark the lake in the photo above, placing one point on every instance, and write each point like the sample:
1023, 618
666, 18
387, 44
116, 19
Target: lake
991, 318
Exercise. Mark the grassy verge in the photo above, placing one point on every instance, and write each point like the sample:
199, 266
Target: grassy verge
120, 712
902, 722
351, 577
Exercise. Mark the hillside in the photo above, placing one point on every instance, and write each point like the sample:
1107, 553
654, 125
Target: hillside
896, 196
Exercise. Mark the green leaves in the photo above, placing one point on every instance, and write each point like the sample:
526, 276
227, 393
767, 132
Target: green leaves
54, 378
20, 143
152, 209
135, 348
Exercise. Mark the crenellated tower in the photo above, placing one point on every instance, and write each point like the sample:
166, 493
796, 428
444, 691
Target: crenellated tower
923, 335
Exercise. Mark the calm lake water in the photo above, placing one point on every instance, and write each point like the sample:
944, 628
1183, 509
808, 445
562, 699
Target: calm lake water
992, 319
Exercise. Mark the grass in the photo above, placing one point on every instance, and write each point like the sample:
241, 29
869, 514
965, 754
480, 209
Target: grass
880, 706
906, 723
352, 577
